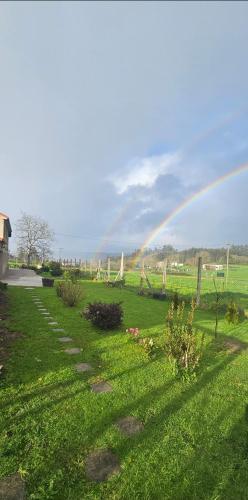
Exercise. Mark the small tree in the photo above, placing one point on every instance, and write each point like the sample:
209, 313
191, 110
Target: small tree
217, 306
182, 341
34, 237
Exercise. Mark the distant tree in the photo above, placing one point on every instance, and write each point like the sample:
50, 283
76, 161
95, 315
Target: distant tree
34, 237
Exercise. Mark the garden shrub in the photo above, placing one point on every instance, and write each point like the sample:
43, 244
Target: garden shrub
55, 268
182, 342
71, 293
105, 316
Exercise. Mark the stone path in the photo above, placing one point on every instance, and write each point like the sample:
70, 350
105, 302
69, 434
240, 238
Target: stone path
83, 367
101, 464
101, 387
130, 426
12, 488
73, 350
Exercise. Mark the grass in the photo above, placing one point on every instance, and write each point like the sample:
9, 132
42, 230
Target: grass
194, 444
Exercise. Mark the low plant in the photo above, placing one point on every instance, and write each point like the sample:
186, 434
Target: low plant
147, 343
182, 340
104, 316
149, 346
71, 293
3, 286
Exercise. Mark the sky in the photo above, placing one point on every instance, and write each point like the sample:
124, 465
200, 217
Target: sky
113, 113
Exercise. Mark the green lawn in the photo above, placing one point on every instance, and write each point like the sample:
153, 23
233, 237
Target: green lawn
195, 439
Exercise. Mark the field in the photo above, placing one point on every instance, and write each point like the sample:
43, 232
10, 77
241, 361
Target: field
194, 444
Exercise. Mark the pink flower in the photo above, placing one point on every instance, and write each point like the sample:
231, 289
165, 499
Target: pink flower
133, 331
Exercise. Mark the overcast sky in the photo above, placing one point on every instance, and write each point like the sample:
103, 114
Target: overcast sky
111, 114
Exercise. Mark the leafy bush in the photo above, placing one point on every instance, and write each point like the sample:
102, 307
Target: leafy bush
234, 313
55, 268
182, 344
105, 316
3, 286
71, 293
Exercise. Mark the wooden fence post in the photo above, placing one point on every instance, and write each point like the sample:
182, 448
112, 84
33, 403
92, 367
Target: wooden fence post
199, 276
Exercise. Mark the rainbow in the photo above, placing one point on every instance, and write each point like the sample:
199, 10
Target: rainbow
195, 142
184, 204
113, 228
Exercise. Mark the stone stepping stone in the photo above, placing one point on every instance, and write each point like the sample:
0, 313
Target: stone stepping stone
100, 465
49, 318
64, 339
46, 313
101, 387
53, 323
12, 488
29, 288
73, 350
83, 367
42, 309
130, 426
58, 329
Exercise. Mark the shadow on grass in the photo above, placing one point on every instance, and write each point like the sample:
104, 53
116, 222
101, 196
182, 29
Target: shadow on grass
41, 391
220, 470
143, 403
